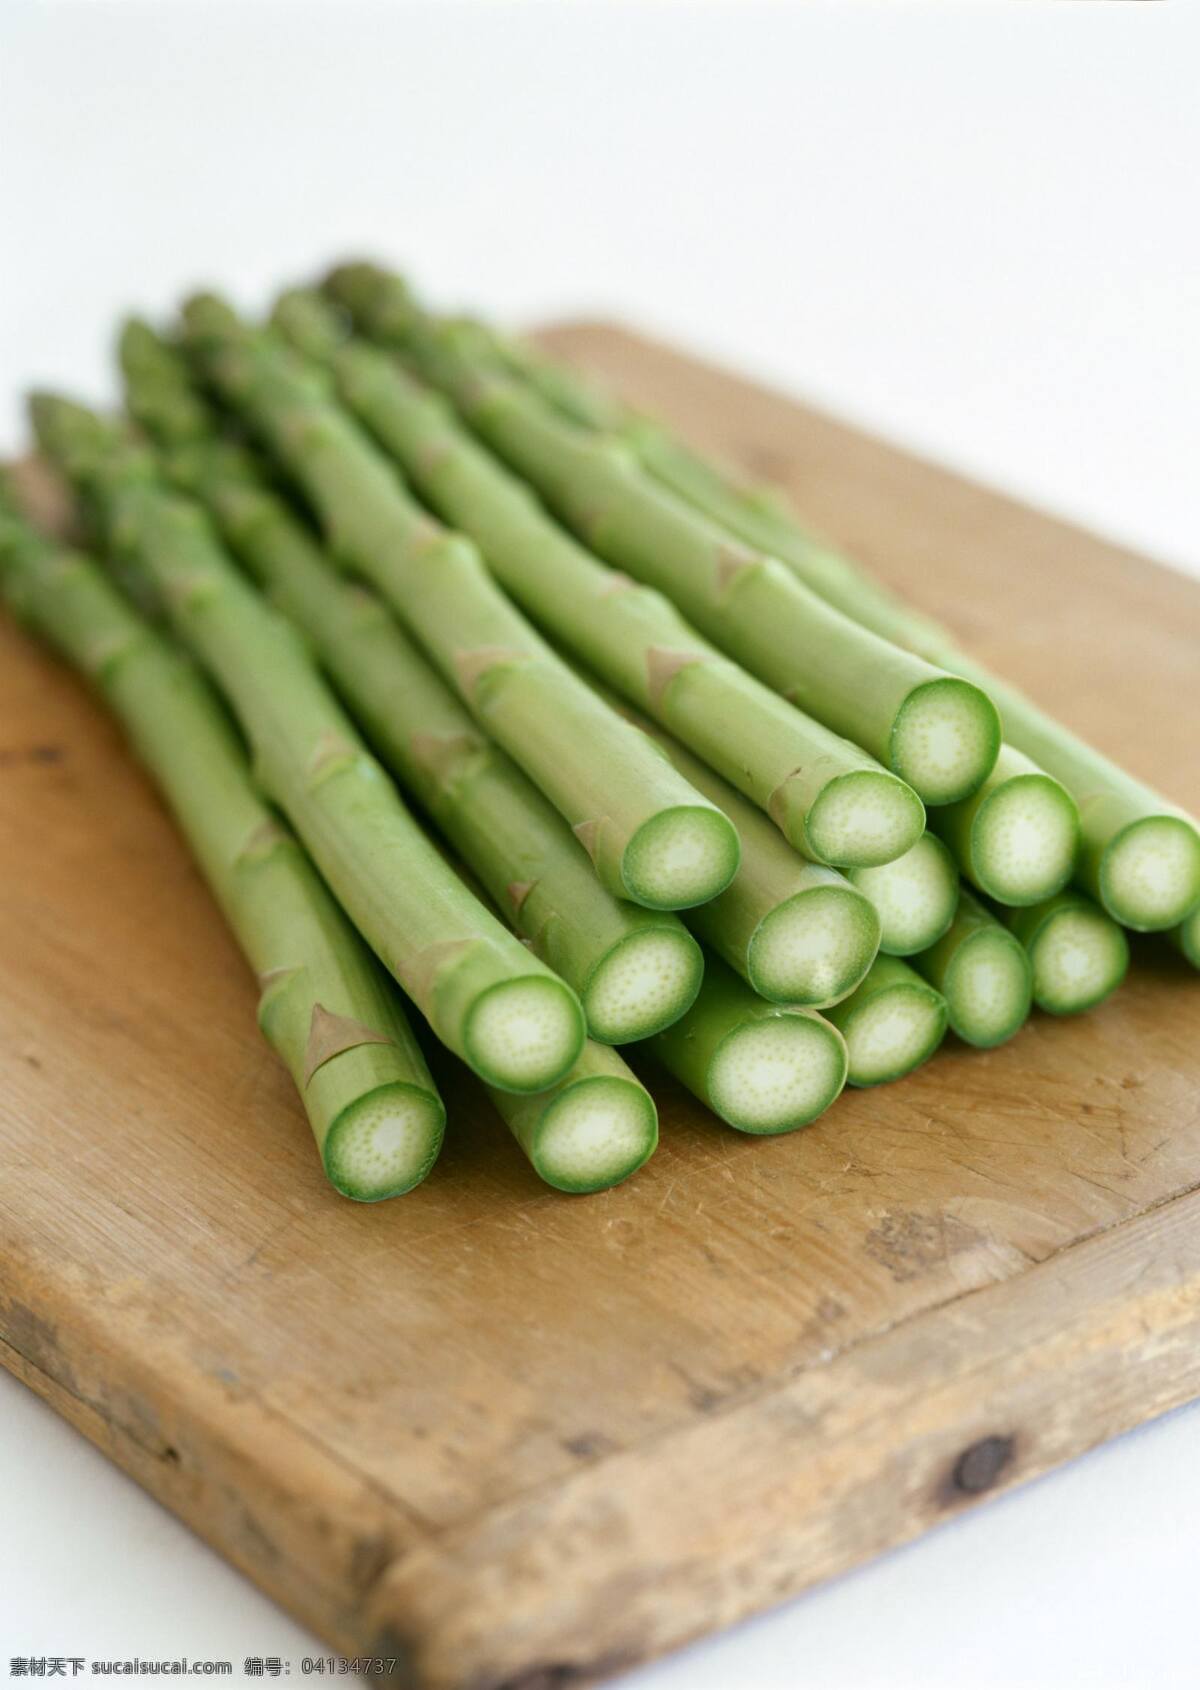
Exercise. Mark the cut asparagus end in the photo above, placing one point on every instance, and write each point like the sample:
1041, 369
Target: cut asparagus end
915, 896
945, 739
523, 1035
893, 1031
1024, 840
595, 1133
815, 947
683, 857
864, 817
1079, 957
383, 1144
988, 987
1150, 873
777, 1073
644, 984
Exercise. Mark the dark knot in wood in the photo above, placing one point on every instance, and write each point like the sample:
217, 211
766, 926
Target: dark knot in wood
981, 1464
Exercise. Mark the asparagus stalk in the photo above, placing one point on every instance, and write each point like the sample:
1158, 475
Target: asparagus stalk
159, 392
1079, 955
796, 932
1018, 837
937, 731
593, 1129
325, 1006
763, 1068
891, 1024
833, 802
984, 974
915, 897
1140, 854
485, 996
651, 838
635, 970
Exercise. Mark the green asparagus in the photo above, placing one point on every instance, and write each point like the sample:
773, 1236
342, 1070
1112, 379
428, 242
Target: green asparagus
891, 1024
1017, 838
325, 1005
915, 897
937, 731
1079, 955
651, 837
983, 973
635, 970
1140, 854
833, 802
763, 1068
593, 1129
485, 996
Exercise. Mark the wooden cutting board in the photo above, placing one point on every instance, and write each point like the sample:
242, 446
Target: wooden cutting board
511, 1438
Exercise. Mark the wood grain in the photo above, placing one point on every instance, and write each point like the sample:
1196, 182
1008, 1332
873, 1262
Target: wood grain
520, 1439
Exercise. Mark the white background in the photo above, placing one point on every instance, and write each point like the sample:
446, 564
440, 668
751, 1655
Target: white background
973, 228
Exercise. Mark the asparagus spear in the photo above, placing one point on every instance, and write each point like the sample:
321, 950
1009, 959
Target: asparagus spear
1140, 853
915, 897
593, 1129
1079, 955
834, 803
937, 731
763, 1068
983, 973
1017, 838
796, 932
635, 970
512, 1020
325, 1005
891, 1024
651, 838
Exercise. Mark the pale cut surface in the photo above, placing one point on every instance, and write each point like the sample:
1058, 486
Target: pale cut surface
915, 896
945, 740
988, 987
1152, 873
643, 985
1078, 957
597, 1132
778, 1073
526, 1033
1025, 840
864, 817
380, 1145
893, 1033
680, 858
814, 948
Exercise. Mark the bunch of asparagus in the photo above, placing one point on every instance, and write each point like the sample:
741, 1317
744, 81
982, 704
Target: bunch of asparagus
686, 777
